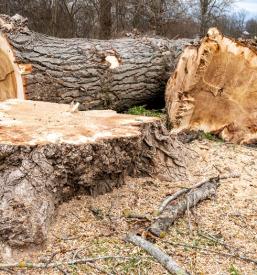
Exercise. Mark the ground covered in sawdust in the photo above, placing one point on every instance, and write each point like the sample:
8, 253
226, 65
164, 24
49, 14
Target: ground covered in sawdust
202, 241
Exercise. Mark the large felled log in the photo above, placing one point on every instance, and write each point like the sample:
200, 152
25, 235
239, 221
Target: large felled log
113, 74
214, 89
48, 153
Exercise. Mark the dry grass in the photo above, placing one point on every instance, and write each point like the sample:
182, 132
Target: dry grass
88, 227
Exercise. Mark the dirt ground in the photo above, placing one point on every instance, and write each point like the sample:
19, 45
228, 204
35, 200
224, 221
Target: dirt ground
201, 241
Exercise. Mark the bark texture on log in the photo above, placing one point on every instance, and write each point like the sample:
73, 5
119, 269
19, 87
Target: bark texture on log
48, 154
214, 89
115, 74
188, 200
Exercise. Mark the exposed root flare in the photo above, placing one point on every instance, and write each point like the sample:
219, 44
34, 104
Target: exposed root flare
49, 154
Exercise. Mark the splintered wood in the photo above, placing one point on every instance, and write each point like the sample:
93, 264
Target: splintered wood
214, 89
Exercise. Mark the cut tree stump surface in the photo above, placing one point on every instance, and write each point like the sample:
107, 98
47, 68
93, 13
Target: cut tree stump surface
49, 154
30, 122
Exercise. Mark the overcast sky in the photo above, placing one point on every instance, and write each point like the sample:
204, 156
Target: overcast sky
249, 5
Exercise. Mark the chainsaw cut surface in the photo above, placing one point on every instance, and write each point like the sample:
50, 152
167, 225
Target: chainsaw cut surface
30, 122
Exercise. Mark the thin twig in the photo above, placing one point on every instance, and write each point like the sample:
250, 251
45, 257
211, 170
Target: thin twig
8, 271
57, 264
188, 218
99, 268
241, 257
216, 240
63, 271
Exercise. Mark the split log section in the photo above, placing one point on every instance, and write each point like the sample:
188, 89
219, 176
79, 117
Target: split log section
214, 89
115, 74
48, 154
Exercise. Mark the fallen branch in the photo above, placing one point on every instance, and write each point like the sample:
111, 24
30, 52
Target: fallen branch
216, 240
169, 213
233, 255
166, 261
173, 197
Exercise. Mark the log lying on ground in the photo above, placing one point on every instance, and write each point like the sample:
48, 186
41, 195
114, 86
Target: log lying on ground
115, 74
214, 89
49, 153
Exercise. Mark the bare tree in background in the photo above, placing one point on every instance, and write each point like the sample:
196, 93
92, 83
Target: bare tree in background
251, 27
210, 11
105, 19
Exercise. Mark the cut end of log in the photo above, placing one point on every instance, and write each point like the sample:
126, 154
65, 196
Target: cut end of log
11, 80
214, 89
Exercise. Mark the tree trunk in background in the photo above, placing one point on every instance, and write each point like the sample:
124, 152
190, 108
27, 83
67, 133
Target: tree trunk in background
114, 74
157, 9
105, 19
204, 5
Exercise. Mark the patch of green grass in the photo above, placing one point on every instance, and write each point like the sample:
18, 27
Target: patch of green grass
233, 270
211, 137
142, 111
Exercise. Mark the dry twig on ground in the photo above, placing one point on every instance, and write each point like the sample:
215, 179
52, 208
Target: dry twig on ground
165, 260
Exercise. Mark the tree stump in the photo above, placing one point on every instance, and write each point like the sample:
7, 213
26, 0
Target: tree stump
214, 89
49, 152
99, 74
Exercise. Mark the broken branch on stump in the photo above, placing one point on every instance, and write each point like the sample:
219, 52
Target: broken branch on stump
165, 260
173, 212
115, 74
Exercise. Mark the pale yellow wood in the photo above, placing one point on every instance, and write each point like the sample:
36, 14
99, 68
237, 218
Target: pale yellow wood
11, 80
214, 89
8, 86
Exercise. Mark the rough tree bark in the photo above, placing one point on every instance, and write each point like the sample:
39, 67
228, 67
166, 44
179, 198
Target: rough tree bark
99, 74
48, 154
181, 204
214, 89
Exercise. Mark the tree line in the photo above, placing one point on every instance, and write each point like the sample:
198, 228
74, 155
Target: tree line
105, 19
